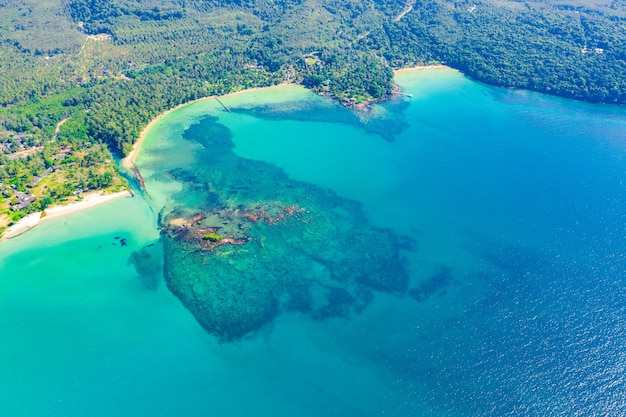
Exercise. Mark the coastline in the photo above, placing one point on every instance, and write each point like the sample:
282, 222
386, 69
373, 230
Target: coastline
34, 219
421, 67
364, 106
94, 199
128, 161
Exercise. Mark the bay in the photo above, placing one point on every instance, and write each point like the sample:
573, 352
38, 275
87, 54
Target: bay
515, 299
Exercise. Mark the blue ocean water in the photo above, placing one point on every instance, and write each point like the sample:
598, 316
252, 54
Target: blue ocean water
515, 303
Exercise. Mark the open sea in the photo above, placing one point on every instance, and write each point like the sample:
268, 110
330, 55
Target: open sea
460, 252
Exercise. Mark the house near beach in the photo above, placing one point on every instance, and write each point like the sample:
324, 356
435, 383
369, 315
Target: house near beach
36, 180
23, 201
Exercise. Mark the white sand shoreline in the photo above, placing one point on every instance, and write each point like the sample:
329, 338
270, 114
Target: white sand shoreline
129, 161
421, 67
31, 221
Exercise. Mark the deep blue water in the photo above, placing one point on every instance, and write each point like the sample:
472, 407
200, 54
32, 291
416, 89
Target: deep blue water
517, 199
516, 296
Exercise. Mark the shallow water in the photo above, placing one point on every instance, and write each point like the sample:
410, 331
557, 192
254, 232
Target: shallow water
513, 202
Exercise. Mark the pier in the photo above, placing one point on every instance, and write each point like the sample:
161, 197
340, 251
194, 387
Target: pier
138, 176
223, 105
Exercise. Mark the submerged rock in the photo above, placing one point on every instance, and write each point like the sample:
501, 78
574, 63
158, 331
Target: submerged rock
433, 285
148, 263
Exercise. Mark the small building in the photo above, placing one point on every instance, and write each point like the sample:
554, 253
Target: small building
63, 153
23, 200
40, 177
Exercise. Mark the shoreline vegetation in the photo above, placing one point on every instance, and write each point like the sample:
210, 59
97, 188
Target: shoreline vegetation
97, 198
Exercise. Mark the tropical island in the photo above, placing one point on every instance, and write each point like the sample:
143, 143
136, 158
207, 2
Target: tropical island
82, 78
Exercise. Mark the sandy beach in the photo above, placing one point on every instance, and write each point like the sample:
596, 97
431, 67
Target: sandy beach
421, 67
129, 161
33, 220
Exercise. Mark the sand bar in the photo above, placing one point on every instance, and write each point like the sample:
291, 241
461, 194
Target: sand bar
33, 220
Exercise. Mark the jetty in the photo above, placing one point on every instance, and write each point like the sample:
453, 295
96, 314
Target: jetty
138, 176
223, 105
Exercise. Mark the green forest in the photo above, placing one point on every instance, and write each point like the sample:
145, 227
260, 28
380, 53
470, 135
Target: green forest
80, 79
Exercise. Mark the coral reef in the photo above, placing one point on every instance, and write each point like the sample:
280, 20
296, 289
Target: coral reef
260, 243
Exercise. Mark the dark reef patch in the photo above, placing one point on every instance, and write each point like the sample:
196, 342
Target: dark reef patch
148, 262
433, 285
259, 243
387, 124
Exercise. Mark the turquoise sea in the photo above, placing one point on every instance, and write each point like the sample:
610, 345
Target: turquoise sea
459, 252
